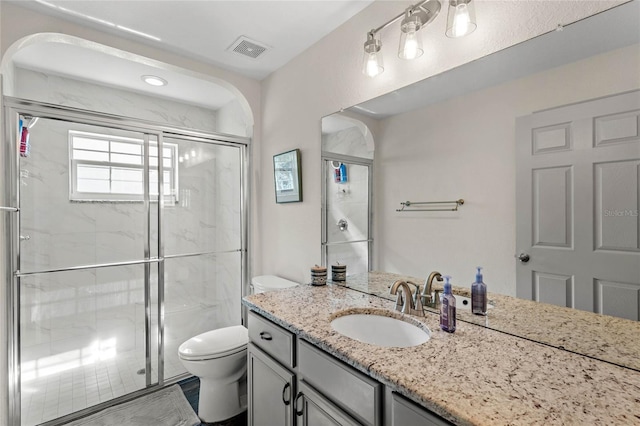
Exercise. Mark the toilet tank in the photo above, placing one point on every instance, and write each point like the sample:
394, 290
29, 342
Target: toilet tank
264, 283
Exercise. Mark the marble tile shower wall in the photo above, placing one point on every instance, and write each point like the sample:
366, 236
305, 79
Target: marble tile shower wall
348, 201
100, 312
78, 94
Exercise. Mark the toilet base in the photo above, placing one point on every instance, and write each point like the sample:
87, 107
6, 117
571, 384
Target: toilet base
218, 402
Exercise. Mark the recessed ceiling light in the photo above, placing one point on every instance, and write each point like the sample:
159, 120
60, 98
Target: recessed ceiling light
154, 80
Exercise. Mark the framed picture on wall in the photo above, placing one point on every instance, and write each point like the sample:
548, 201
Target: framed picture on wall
287, 174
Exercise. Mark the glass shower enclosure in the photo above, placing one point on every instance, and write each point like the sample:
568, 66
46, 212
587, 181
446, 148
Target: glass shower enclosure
124, 239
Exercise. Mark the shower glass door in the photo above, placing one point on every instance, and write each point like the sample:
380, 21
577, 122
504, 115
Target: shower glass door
127, 240
202, 241
88, 198
347, 212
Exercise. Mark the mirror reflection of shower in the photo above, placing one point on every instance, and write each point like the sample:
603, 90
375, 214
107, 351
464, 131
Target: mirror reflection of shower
347, 161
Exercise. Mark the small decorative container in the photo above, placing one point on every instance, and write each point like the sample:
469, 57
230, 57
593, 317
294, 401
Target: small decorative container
339, 272
318, 275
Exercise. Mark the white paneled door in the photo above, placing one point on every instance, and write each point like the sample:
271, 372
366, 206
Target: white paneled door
578, 196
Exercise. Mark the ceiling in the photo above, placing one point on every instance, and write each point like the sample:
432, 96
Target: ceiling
201, 30
205, 29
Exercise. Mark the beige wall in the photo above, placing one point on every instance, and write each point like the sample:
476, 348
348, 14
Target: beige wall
327, 77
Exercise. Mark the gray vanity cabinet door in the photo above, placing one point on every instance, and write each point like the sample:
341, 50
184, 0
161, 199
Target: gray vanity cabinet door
407, 413
271, 390
312, 409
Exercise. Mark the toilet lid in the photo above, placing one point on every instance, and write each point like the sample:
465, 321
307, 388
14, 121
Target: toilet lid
272, 282
215, 343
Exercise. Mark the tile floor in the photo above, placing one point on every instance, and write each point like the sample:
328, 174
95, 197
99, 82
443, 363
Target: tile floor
191, 389
49, 394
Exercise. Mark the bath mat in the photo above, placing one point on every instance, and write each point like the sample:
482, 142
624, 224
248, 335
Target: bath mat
166, 407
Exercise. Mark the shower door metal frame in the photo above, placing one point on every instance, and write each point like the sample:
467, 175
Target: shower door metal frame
359, 161
13, 107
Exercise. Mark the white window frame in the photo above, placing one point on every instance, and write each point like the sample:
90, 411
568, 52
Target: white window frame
76, 195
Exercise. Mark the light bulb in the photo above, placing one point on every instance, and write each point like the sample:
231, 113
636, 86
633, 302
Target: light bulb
461, 20
372, 65
180, 159
410, 50
193, 152
410, 43
186, 156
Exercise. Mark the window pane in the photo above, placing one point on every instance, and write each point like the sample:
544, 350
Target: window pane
126, 159
92, 144
126, 187
90, 155
153, 151
126, 148
153, 161
132, 175
93, 185
167, 162
166, 152
92, 172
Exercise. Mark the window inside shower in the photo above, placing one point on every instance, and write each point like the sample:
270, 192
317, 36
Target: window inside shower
111, 168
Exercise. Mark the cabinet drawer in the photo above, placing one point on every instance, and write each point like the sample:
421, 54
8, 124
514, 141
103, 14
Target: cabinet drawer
354, 392
271, 338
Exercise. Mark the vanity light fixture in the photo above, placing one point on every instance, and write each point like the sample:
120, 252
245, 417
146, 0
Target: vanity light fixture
154, 80
461, 18
461, 21
372, 63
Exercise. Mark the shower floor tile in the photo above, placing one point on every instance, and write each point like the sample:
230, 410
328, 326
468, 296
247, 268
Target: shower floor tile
60, 393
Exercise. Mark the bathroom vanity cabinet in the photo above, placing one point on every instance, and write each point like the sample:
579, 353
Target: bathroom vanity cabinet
292, 382
473, 376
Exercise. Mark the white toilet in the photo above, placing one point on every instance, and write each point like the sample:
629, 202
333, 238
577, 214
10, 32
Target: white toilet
219, 359
270, 282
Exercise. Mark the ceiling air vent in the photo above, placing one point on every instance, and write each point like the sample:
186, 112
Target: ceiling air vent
247, 47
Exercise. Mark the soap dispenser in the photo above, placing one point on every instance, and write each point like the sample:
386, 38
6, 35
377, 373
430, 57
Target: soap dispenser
448, 308
479, 295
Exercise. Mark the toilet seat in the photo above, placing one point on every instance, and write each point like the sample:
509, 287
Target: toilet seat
215, 344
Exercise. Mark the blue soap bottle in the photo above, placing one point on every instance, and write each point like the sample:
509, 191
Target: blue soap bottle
479, 295
448, 308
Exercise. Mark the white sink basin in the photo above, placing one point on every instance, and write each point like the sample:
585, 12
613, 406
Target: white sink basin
378, 329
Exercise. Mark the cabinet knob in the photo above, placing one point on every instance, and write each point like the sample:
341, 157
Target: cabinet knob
523, 257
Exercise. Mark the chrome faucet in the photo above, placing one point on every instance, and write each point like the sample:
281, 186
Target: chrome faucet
405, 304
430, 297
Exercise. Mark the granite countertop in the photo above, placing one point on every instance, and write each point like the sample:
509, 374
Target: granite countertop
475, 376
600, 336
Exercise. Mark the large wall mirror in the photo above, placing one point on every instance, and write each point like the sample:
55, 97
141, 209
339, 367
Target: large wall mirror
542, 141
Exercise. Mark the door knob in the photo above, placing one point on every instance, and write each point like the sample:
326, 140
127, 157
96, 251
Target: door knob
523, 257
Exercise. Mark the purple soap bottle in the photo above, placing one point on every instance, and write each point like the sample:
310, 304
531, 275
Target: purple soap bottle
448, 308
479, 295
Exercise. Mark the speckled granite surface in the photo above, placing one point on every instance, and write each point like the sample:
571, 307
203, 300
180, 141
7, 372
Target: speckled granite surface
603, 337
475, 376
